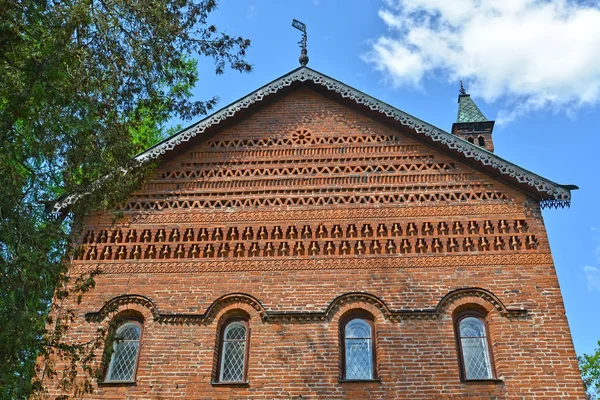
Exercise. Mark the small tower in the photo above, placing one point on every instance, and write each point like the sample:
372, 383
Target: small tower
471, 124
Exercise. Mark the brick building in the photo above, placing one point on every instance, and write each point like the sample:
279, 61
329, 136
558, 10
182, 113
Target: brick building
310, 241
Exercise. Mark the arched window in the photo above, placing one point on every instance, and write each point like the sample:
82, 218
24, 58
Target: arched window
234, 352
471, 140
475, 358
481, 141
126, 350
358, 354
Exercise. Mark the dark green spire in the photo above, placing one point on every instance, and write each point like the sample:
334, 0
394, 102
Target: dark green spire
471, 125
467, 109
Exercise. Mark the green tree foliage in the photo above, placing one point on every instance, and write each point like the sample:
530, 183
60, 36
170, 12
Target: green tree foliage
590, 372
84, 85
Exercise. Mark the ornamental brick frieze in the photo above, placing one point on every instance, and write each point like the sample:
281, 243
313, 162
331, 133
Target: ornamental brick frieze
170, 217
358, 152
357, 299
307, 240
334, 136
333, 174
316, 263
278, 183
446, 191
312, 198
303, 137
320, 167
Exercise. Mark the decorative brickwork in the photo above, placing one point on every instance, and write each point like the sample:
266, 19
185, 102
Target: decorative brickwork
341, 301
305, 211
310, 240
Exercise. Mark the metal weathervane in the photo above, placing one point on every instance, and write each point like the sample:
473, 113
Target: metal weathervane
303, 53
462, 88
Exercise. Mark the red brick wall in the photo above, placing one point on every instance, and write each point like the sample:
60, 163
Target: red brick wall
367, 174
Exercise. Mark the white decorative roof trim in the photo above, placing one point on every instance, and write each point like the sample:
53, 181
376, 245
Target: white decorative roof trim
558, 195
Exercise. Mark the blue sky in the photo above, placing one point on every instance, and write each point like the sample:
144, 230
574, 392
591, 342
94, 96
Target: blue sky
541, 86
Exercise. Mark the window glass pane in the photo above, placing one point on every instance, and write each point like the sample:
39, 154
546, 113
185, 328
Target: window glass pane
358, 329
232, 362
359, 359
359, 350
235, 331
475, 350
472, 327
125, 349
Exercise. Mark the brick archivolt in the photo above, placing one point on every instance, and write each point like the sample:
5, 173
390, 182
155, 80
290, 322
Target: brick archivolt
138, 302
358, 301
231, 302
337, 307
119, 304
488, 300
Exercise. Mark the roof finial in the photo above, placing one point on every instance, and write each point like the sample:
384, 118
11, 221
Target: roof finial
303, 53
462, 89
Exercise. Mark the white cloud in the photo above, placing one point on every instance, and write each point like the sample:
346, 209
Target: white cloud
527, 54
592, 275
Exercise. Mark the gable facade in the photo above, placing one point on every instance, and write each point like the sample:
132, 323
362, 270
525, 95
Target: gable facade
305, 214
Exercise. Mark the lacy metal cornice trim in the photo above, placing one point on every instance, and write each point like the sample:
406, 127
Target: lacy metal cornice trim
558, 196
304, 316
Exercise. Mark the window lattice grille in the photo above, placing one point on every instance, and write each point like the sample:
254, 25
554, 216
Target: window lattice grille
358, 350
476, 356
233, 356
125, 351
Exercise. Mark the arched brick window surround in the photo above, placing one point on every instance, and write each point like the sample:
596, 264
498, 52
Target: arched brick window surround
231, 315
